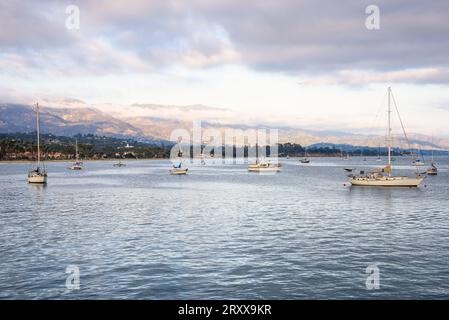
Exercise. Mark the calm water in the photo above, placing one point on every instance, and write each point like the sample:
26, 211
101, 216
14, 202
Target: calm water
137, 232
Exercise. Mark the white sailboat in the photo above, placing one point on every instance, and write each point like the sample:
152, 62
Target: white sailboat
342, 156
361, 154
379, 159
178, 170
38, 175
263, 166
416, 161
383, 177
305, 159
78, 165
433, 170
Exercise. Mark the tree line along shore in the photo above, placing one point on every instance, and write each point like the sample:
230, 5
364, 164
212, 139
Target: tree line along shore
22, 146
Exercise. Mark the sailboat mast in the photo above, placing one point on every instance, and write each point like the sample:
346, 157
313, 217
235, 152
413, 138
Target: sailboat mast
389, 126
76, 149
257, 145
432, 149
38, 135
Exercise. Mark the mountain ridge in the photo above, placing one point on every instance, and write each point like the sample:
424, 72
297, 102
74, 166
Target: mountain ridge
77, 117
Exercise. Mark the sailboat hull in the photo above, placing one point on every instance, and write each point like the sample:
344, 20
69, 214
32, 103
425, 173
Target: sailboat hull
264, 167
178, 172
418, 164
386, 181
37, 179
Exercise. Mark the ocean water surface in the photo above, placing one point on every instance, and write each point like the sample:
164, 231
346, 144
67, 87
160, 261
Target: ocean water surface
221, 233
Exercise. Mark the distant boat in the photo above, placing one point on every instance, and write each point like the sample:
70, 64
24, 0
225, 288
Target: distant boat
202, 158
361, 154
383, 177
418, 162
433, 170
178, 170
38, 175
349, 169
119, 164
264, 166
344, 157
379, 159
78, 165
305, 159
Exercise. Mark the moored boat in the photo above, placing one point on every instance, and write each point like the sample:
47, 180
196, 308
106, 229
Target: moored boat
178, 170
119, 164
78, 165
305, 160
433, 170
264, 166
384, 177
38, 174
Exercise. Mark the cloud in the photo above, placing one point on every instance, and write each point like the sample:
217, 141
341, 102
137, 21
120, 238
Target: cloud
362, 77
320, 38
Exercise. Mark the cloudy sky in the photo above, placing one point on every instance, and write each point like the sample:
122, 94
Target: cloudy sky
306, 62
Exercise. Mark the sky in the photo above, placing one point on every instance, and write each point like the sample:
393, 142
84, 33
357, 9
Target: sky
307, 63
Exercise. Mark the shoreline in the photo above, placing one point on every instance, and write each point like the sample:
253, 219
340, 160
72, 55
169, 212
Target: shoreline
154, 159
82, 160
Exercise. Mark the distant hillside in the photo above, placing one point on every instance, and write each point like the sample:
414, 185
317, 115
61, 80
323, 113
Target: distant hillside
64, 121
156, 123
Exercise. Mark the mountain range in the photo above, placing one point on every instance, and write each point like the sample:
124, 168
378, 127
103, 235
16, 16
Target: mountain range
153, 122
